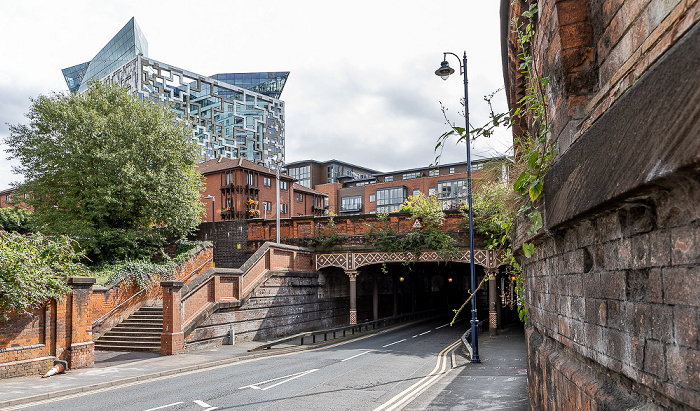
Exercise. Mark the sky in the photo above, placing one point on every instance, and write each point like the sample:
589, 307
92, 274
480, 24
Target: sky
362, 87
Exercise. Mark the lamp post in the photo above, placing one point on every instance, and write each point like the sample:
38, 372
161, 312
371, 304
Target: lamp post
278, 166
213, 223
444, 72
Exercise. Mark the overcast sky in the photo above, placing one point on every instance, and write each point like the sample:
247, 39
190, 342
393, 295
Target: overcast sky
362, 87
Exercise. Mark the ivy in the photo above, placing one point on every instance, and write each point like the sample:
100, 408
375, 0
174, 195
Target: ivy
33, 270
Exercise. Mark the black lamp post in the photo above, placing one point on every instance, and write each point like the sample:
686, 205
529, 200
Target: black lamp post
213, 223
444, 72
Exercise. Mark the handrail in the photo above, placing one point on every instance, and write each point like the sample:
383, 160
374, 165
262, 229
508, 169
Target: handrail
344, 329
107, 314
195, 270
101, 319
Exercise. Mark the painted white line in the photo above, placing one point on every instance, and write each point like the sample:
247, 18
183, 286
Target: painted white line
289, 377
165, 406
424, 333
415, 336
355, 356
204, 405
444, 325
395, 342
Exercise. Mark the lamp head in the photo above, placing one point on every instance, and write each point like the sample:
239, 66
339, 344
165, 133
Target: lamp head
445, 70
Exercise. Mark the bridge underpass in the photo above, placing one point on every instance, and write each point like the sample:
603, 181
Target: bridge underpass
384, 284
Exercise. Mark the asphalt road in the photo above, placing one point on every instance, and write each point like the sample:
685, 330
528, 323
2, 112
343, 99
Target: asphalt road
381, 371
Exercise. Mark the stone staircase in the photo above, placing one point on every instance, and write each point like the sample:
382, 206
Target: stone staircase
140, 332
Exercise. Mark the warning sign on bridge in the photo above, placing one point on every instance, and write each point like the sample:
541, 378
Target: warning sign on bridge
416, 224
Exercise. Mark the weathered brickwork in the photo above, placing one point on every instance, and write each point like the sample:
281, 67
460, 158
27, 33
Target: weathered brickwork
614, 307
286, 303
617, 293
57, 330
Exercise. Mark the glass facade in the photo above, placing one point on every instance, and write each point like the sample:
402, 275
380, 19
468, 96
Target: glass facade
269, 84
121, 49
303, 174
228, 120
390, 199
351, 204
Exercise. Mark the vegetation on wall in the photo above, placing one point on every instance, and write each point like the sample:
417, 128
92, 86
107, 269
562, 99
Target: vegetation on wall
116, 172
496, 210
15, 219
33, 270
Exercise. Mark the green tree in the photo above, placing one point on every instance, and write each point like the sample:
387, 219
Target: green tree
15, 219
33, 270
114, 171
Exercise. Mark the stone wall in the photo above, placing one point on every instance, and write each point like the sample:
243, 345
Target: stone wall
614, 307
284, 304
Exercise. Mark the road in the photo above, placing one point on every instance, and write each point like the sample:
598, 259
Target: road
382, 371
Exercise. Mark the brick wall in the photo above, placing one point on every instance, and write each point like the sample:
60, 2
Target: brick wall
614, 307
57, 330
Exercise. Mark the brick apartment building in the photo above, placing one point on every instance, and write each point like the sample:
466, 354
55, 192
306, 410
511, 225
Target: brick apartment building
385, 192
243, 189
6, 197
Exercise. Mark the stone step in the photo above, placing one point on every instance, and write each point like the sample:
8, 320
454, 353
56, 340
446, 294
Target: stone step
109, 347
131, 339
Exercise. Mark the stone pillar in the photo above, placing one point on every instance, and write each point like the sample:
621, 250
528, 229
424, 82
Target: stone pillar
172, 339
375, 297
353, 296
82, 348
493, 302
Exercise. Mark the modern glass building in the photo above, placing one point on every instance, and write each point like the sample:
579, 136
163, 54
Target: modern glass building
232, 114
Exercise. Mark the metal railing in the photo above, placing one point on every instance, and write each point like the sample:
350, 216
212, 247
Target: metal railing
352, 329
467, 334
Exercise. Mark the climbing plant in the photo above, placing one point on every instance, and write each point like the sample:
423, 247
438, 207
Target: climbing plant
534, 152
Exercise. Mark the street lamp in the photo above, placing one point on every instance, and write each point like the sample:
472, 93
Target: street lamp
278, 166
213, 223
444, 72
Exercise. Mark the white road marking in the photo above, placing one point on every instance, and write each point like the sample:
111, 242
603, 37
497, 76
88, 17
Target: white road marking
165, 406
444, 325
355, 356
415, 336
204, 405
395, 342
289, 377
424, 333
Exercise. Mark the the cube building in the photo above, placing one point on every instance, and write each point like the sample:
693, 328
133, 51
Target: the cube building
234, 115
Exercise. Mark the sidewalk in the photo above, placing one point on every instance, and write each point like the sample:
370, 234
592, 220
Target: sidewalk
499, 382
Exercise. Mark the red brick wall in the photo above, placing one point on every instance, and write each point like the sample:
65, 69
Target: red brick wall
57, 330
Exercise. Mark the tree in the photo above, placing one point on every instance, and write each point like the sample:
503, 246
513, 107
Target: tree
114, 171
15, 219
33, 270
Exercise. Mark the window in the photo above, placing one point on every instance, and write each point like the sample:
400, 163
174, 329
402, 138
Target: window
410, 176
390, 199
325, 202
267, 206
431, 191
372, 198
452, 170
388, 178
353, 203
299, 214
8, 198
229, 178
283, 185
452, 189
434, 173
283, 209
250, 179
267, 182
416, 191
303, 174
300, 197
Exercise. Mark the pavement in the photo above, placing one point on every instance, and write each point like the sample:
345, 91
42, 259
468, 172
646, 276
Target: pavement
500, 379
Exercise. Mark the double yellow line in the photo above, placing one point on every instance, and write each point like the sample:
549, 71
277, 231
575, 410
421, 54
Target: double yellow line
409, 393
